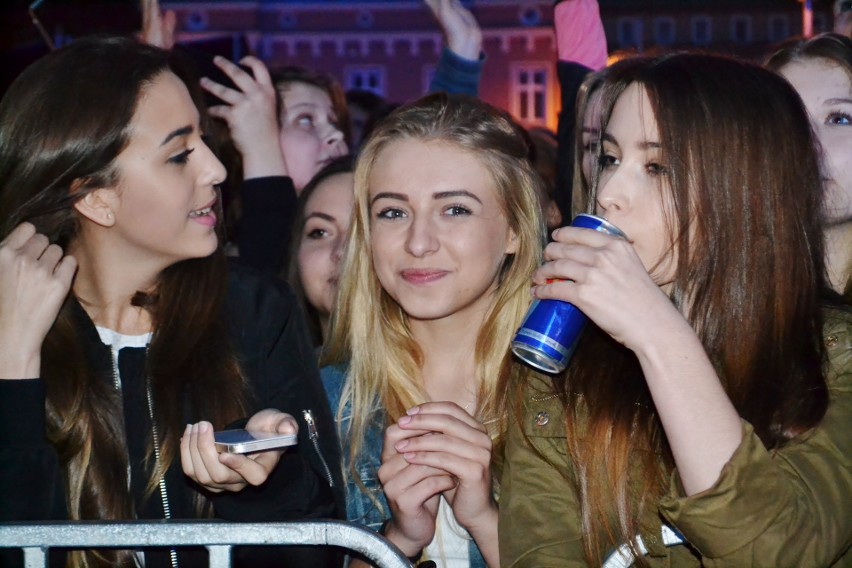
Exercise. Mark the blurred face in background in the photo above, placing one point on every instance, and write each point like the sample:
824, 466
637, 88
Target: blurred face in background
826, 89
328, 213
309, 135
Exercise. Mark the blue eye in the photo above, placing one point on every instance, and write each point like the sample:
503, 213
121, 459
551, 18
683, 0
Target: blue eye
839, 119
181, 158
457, 210
391, 213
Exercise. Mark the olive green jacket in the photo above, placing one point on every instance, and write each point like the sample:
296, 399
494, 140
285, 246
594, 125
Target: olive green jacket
788, 507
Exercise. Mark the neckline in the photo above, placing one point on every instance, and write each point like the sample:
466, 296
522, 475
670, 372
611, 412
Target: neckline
118, 340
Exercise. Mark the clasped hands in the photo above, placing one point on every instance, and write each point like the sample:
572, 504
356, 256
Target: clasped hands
435, 449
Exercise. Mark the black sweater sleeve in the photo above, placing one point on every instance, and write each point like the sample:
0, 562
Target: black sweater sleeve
268, 213
29, 466
272, 341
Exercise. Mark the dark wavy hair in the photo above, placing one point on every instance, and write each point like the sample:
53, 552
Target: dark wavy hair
63, 122
746, 229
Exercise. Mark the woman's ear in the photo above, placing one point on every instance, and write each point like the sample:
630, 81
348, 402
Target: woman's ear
97, 205
512, 242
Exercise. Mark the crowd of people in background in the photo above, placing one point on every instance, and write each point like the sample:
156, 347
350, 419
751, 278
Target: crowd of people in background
188, 248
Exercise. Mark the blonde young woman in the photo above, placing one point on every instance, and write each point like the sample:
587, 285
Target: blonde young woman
445, 235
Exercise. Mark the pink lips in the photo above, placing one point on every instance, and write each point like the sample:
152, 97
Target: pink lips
208, 220
427, 276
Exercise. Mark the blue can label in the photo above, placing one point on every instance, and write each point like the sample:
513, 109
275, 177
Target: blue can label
551, 329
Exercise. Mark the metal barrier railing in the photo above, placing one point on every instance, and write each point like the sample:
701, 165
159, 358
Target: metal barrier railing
218, 537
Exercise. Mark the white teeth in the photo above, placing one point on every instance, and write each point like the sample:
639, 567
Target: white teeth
201, 212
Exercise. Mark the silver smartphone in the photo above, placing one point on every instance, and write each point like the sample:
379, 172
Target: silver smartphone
246, 441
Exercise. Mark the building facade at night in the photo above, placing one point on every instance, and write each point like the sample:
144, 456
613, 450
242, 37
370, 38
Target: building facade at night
391, 47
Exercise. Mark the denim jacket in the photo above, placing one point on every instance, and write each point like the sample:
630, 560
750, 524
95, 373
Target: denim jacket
359, 507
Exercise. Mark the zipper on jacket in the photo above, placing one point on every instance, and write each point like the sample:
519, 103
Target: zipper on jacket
314, 436
167, 512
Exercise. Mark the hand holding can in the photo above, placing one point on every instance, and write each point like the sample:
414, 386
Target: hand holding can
551, 329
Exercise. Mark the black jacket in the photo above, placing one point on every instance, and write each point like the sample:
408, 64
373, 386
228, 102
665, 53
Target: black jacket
270, 340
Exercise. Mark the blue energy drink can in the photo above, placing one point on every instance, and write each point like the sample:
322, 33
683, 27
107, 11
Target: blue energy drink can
551, 329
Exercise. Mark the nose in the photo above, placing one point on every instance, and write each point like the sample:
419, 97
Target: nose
213, 172
335, 142
421, 239
613, 193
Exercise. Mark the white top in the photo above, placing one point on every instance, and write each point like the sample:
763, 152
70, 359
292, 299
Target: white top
118, 341
449, 548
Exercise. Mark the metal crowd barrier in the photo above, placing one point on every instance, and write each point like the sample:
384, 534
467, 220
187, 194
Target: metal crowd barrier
219, 538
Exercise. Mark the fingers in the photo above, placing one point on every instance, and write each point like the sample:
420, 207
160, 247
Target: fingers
258, 68
578, 235
243, 80
226, 94
443, 417
254, 468
410, 487
19, 236
203, 455
65, 270
274, 421
218, 472
35, 246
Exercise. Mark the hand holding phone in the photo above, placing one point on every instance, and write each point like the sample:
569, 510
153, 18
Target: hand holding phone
247, 441
217, 471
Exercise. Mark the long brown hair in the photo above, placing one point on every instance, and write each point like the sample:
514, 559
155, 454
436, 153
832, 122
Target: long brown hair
62, 125
746, 193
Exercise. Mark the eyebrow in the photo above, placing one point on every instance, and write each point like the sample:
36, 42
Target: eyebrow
184, 131
645, 145
438, 195
320, 215
838, 101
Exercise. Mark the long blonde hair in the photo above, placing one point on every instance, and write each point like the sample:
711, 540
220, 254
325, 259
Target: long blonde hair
370, 331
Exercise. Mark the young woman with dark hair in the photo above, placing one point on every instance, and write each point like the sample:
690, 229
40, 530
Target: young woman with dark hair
820, 69
323, 215
704, 418
103, 168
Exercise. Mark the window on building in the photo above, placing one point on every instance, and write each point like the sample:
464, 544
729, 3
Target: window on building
664, 31
630, 32
366, 78
741, 29
702, 30
529, 93
779, 27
